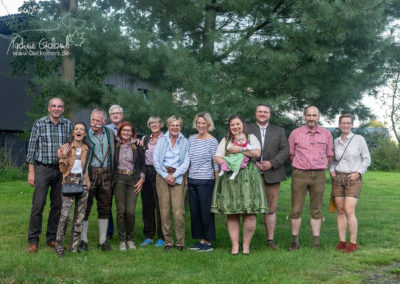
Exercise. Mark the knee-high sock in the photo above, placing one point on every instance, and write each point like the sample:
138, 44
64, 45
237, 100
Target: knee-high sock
85, 227
103, 224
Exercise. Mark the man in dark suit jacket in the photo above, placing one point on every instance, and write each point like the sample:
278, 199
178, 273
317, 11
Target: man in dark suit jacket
274, 152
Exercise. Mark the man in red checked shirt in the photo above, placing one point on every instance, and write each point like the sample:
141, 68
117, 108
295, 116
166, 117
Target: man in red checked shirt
311, 149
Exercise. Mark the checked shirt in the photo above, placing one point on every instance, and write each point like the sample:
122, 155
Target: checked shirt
46, 138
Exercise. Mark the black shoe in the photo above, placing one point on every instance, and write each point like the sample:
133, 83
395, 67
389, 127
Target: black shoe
105, 246
180, 248
83, 246
167, 248
109, 237
60, 253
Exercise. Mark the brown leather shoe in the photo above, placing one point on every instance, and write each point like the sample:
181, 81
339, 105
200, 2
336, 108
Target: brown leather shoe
180, 248
52, 244
33, 247
272, 245
294, 246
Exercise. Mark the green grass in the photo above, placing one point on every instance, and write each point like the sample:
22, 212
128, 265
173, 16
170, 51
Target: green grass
378, 254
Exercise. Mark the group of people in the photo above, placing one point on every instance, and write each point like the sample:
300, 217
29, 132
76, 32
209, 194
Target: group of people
240, 177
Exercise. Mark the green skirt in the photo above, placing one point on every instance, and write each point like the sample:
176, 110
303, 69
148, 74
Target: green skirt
243, 195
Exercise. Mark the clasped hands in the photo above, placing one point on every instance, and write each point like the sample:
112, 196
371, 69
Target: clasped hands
170, 179
264, 165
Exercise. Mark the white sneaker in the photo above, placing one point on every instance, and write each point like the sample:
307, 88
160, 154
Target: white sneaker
122, 246
221, 173
131, 245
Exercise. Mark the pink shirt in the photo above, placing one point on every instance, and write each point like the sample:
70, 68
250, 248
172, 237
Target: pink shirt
311, 149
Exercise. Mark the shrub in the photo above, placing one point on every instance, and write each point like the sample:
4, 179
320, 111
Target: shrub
8, 170
385, 156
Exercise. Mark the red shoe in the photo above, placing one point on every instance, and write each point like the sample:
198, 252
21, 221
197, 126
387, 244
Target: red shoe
341, 246
352, 247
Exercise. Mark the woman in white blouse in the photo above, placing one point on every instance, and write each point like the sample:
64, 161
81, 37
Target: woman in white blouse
350, 162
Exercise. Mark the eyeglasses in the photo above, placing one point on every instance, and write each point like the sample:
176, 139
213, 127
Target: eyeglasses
126, 130
116, 113
56, 106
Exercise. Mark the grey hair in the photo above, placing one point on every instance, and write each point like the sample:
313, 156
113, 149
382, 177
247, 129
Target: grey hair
154, 118
305, 110
115, 106
57, 99
101, 111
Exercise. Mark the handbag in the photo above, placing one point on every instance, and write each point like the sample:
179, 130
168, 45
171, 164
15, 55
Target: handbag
74, 186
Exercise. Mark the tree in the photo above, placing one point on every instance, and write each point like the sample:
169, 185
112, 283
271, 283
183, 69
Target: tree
225, 56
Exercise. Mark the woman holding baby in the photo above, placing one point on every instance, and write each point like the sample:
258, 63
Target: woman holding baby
243, 195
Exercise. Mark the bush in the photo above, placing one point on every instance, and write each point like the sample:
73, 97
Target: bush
385, 156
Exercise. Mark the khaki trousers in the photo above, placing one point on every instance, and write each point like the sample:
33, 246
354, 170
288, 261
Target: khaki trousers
175, 196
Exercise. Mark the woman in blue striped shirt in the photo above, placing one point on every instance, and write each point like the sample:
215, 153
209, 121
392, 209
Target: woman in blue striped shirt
202, 173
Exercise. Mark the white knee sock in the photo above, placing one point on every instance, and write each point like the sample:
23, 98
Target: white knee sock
85, 227
103, 224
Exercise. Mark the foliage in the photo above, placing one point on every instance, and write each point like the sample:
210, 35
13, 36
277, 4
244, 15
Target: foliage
378, 235
385, 156
220, 56
8, 170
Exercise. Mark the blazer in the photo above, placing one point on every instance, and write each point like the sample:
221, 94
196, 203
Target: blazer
275, 150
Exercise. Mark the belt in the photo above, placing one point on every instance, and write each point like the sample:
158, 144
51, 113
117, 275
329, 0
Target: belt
170, 170
53, 166
125, 172
74, 175
311, 170
98, 169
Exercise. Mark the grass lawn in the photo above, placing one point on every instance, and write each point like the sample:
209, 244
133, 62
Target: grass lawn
377, 260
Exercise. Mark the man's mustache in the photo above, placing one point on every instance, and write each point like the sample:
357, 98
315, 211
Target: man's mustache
96, 125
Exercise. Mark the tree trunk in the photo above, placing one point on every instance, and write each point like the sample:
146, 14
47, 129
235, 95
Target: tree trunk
68, 61
393, 113
207, 51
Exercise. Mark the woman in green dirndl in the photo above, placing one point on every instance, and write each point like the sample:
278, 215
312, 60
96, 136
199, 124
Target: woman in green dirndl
244, 195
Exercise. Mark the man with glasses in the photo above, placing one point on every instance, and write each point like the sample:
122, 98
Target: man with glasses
48, 134
311, 149
116, 116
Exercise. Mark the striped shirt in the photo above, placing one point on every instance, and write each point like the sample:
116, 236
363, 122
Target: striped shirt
201, 155
46, 138
311, 149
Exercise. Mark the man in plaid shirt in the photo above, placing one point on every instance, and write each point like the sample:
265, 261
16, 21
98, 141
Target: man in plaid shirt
311, 149
48, 134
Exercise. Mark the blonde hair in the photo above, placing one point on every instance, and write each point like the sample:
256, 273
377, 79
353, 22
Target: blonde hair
207, 118
173, 118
